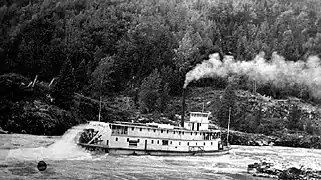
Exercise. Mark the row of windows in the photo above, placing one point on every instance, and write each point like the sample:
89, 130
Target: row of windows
179, 132
124, 130
199, 115
164, 142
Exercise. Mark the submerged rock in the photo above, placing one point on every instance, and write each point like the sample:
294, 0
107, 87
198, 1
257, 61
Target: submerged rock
270, 170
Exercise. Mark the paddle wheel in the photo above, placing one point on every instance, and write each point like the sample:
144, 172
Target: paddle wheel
95, 137
90, 136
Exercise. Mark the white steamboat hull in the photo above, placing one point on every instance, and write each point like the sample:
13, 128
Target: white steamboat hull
127, 151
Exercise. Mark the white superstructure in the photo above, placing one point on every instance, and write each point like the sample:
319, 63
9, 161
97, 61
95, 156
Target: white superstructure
156, 139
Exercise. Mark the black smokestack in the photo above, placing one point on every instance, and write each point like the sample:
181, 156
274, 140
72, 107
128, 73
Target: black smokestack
183, 108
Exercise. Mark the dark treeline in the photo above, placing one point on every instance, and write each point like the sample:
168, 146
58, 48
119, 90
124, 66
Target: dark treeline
145, 47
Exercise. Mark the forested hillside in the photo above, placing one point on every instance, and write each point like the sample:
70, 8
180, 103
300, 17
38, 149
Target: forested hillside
143, 49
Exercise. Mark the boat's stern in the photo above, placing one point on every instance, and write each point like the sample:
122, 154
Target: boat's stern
96, 133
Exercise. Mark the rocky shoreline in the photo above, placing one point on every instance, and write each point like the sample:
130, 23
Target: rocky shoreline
271, 170
287, 140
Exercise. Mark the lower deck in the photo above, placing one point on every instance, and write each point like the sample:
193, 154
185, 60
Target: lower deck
129, 151
155, 146
147, 143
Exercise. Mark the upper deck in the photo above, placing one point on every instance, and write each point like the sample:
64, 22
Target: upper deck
163, 131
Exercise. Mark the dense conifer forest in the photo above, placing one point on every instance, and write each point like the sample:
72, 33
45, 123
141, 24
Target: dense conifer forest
142, 49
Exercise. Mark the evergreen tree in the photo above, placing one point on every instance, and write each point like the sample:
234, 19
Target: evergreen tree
163, 98
102, 82
294, 118
227, 102
81, 75
149, 92
64, 89
309, 128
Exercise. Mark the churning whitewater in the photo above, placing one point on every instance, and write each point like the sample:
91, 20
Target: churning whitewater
63, 149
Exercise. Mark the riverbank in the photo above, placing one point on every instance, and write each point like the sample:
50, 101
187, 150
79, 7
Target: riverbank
283, 139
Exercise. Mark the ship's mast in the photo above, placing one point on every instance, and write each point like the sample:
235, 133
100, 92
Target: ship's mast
203, 106
100, 93
228, 126
99, 115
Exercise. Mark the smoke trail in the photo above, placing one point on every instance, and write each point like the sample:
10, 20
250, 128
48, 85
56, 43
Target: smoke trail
277, 71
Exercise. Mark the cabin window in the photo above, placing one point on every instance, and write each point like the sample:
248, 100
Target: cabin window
127, 139
154, 130
152, 141
183, 133
204, 143
167, 131
133, 128
161, 131
174, 132
171, 142
140, 129
195, 133
133, 143
179, 132
187, 143
137, 140
211, 143
165, 142
147, 129
179, 143
191, 133
196, 144
157, 141
116, 139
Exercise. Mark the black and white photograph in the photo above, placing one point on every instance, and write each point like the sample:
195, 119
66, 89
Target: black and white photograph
160, 89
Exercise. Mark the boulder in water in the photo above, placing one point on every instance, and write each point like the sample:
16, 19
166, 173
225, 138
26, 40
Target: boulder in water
269, 170
42, 166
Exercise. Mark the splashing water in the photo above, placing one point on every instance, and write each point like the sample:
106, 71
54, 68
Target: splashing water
63, 149
277, 71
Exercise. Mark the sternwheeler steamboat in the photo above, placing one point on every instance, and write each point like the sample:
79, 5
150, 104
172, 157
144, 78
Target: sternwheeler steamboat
122, 138
193, 137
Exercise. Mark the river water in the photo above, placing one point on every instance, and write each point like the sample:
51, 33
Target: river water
20, 153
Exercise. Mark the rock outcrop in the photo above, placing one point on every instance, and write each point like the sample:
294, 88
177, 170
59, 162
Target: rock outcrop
270, 170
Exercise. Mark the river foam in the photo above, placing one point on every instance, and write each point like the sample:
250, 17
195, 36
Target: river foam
64, 148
